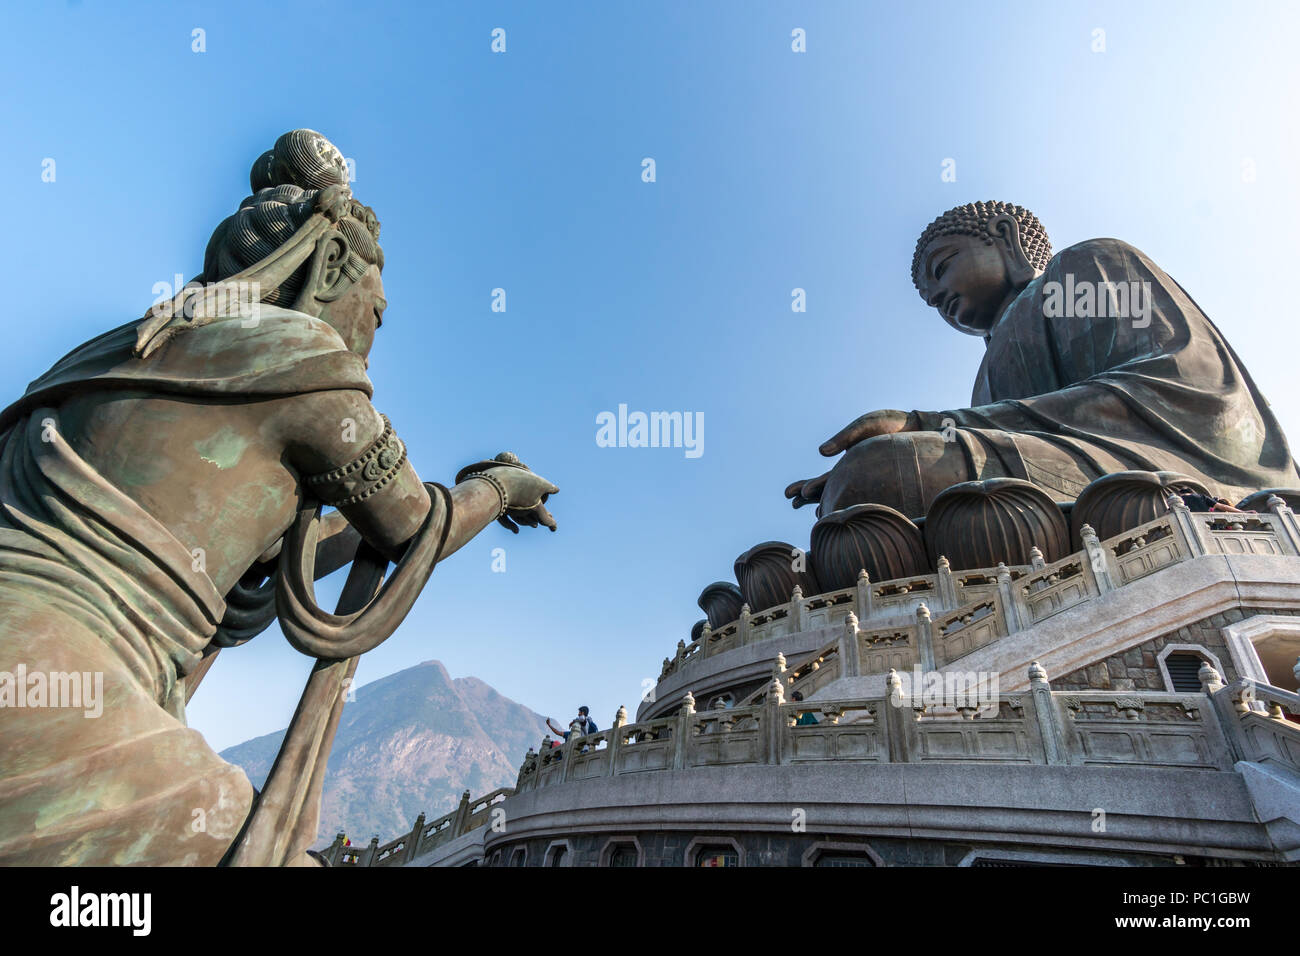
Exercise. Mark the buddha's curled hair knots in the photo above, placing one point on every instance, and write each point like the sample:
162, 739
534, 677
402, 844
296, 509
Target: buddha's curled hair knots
973, 219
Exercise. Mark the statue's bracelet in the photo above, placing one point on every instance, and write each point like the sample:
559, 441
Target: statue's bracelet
501, 490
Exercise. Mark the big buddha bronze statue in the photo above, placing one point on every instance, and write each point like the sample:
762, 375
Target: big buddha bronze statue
1095, 362
161, 497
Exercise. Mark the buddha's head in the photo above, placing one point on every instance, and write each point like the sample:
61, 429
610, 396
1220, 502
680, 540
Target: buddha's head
339, 281
974, 259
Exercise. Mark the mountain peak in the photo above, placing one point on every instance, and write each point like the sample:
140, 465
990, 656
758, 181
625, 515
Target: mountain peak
409, 743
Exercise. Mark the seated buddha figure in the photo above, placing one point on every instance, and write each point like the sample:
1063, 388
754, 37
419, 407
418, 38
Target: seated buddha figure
1095, 361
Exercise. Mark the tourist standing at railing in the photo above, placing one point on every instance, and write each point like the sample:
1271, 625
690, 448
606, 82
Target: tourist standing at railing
583, 724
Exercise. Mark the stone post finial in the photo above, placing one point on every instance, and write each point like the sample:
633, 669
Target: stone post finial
862, 595
1274, 503
620, 718
1175, 502
776, 691
778, 665
1087, 532
851, 622
1211, 679
923, 612
942, 564
894, 688
688, 704
706, 633
1036, 558
1037, 673
796, 594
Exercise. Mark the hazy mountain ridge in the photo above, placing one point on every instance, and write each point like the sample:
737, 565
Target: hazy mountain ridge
409, 743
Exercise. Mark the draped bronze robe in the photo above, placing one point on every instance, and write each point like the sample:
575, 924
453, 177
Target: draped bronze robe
91, 583
1063, 398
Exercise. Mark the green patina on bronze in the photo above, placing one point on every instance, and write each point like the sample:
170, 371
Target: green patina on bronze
224, 448
154, 512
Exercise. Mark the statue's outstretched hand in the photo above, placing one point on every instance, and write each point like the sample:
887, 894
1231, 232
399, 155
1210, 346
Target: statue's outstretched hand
526, 494
887, 421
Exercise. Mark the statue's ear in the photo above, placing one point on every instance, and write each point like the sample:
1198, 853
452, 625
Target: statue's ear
326, 280
1006, 230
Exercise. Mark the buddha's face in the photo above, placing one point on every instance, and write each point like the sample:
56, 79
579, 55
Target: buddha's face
358, 312
967, 280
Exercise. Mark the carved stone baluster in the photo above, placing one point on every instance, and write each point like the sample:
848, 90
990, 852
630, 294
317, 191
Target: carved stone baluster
614, 741
850, 661
1285, 519
1187, 525
896, 718
413, 841
774, 727
1097, 560
1049, 721
947, 585
1011, 602
681, 735
863, 595
925, 638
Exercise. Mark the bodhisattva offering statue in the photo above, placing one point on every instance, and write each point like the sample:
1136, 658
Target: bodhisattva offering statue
1095, 361
160, 498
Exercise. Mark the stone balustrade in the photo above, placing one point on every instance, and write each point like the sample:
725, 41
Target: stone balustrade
423, 838
969, 609
1211, 730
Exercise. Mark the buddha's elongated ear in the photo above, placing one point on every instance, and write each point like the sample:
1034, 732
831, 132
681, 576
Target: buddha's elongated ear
326, 280
1006, 230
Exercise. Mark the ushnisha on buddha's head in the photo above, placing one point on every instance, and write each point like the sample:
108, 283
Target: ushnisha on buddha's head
974, 259
339, 282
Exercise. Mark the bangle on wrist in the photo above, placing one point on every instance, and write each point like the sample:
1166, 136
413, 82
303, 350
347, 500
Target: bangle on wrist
501, 491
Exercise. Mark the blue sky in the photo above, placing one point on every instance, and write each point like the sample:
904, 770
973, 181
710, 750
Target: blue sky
522, 170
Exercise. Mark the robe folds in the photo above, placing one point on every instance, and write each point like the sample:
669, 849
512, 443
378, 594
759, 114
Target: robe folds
1065, 394
93, 588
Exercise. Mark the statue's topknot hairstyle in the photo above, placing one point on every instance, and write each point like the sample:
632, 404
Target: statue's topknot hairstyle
287, 181
972, 219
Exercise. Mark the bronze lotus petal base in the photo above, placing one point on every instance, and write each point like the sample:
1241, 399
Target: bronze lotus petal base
721, 601
979, 524
767, 574
1117, 502
1259, 500
870, 537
